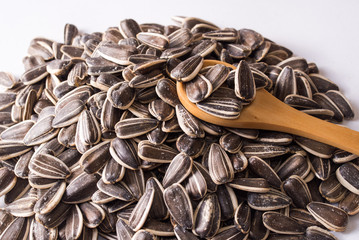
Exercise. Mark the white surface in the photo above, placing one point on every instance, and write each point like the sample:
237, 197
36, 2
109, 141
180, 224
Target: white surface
324, 32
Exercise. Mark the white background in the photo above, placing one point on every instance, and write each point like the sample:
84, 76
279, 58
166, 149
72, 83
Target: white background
324, 32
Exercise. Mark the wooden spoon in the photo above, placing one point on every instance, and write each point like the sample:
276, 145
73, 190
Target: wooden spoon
268, 113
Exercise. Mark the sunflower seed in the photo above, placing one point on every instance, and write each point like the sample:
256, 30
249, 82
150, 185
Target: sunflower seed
297, 190
242, 217
81, 188
259, 185
77, 75
134, 127
74, 223
163, 229
271, 200
161, 110
143, 235
331, 217
166, 90
180, 37
7, 80
316, 148
219, 164
296, 164
195, 184
141, 211
179, 205
160, 153
88, 130
191, 146
226, 35
314, 232
207, 217
258, 230
188, 123
154, 40
346, 175
244, 84
264, 170
341, 102
175, 52
112, 172
325, 102
55, 217
279, 223
38, 231
188, 69
222, 103
17, 229
6, 100
47, 166
17, 132
95, 158
157, 136
124, 232
117, 190
124, 152
350, 203
47, 202
263, 150
34, 75
66, 135
198, 89
178, 170
129, 28
40, 132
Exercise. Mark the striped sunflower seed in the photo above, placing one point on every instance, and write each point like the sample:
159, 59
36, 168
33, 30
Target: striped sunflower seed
207, 217
227, 201
195, 184
40, 132
55, 217
264, 170
47, 166
112, 172
81, 188
219, 164
279, 223
188, 123
74, 223
142, 209
166, 90
350, 203
160, 153
179, 205
38, 231
347, 175
259, 185
178, 170
188, 69
47, 202
314, 232
297, 190
271, 200
331, 217
117, 190
134, 127
242, 217
222, 104
244, 84
95, 158
17, 229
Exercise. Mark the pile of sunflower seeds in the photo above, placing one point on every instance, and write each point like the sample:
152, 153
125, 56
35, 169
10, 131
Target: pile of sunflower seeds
94, 141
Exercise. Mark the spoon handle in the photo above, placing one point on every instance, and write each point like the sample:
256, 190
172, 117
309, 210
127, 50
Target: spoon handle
287, 119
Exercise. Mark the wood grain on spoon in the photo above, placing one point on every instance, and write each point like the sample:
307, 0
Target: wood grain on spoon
268, 113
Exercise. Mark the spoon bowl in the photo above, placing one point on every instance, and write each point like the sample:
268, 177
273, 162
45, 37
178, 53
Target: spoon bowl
266, 112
